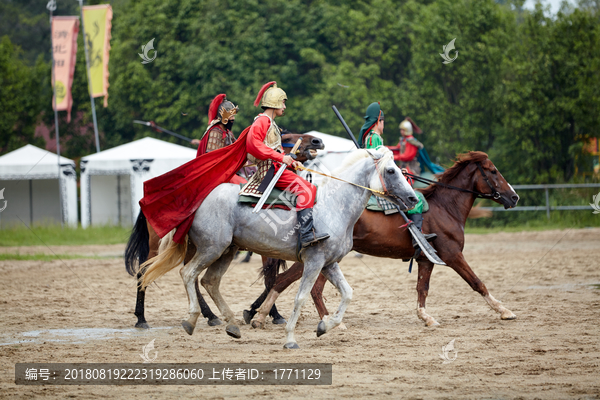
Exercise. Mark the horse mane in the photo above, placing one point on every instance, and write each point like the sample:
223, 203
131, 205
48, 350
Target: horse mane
359, 154
461, 162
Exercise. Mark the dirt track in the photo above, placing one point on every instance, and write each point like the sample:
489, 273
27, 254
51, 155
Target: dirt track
550, 280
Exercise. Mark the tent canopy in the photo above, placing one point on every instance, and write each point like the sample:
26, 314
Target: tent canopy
333, 144
32, 162
29, 178
112, 180
144, 149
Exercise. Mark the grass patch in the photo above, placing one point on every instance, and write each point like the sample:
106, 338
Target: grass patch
43, 257
53, 235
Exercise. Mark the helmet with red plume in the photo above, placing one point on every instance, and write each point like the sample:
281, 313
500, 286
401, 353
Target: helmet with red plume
270, 97
222, 109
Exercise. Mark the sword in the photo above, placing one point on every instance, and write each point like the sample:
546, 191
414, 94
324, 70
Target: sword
429, 251
273, 182
158, 128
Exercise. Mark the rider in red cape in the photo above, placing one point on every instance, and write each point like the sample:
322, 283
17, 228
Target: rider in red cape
408, 147
171, 200
221, 116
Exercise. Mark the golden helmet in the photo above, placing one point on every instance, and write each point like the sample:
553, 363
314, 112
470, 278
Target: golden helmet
270, 97
410, 126
407, 126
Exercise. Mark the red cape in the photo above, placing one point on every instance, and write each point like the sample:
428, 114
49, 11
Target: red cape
170, 200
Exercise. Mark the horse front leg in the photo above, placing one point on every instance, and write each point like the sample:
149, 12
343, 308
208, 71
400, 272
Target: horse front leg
425, 269
284, 280
333, 273
459, 264
311, 272
317, 295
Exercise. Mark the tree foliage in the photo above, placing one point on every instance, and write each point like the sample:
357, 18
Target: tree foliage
524, 87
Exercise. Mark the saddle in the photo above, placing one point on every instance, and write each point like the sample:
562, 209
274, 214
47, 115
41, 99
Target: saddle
382, 205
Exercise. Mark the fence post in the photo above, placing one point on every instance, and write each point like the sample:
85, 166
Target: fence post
547, 202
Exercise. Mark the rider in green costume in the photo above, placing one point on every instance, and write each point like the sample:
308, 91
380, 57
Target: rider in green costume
370, 136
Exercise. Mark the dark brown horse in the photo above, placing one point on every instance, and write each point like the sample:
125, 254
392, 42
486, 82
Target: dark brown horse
143, 242
473, 175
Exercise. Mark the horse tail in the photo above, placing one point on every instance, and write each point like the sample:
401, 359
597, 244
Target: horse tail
170, 255
270, 270
477, 212
136, 252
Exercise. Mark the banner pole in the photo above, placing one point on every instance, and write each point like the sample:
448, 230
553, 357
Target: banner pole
87, 67
51, 6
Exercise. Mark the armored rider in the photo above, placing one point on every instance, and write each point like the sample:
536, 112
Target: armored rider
221, 116
263, 144
218, 134
170, 200
408, 147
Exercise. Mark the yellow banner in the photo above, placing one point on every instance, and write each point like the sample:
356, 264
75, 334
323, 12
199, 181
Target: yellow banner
97, 25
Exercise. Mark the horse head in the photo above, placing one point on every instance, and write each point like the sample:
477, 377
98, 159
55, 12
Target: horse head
475, 172
308, 147
390, 180
489, 180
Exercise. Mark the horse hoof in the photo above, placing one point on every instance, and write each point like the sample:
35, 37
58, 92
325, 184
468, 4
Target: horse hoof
432, 322
508, 316
248, 317
279, 321
142, 325
233, 331
321, 329
258, 325
189, 328
214, 322
291, 345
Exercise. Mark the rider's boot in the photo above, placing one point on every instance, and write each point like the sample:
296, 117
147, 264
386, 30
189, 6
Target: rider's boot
308, 235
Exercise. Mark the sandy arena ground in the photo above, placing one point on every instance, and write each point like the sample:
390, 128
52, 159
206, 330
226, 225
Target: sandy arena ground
81, 310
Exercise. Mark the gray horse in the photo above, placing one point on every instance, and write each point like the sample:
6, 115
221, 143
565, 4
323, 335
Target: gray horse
222, 225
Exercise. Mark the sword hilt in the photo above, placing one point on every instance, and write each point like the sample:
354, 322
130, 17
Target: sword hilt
295, 149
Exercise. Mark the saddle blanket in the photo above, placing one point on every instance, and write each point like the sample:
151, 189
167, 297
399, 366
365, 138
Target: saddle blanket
382, 205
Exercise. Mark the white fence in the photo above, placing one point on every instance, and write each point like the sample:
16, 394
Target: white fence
547, 207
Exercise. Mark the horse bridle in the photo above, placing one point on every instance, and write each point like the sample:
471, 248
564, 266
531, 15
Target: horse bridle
385, 191
494, 195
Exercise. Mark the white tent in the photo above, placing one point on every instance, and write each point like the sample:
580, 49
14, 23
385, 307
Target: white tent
336, 149
32, 191
112, 180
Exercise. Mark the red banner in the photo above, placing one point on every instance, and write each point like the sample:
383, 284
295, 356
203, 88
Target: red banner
64, 50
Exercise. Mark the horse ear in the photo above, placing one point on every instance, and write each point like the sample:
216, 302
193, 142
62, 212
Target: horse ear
374, 155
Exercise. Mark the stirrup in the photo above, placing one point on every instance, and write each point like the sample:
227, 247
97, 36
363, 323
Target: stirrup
316, 239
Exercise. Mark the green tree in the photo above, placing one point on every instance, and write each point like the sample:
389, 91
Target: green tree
21, 98
551, 100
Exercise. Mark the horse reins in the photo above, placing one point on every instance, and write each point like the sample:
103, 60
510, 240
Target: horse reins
384, 193
494, 195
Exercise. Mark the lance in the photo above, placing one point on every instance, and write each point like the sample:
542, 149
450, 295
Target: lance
153, 125
429, 251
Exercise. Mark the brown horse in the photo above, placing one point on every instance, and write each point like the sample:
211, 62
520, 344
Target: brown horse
473, 175
143, 242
